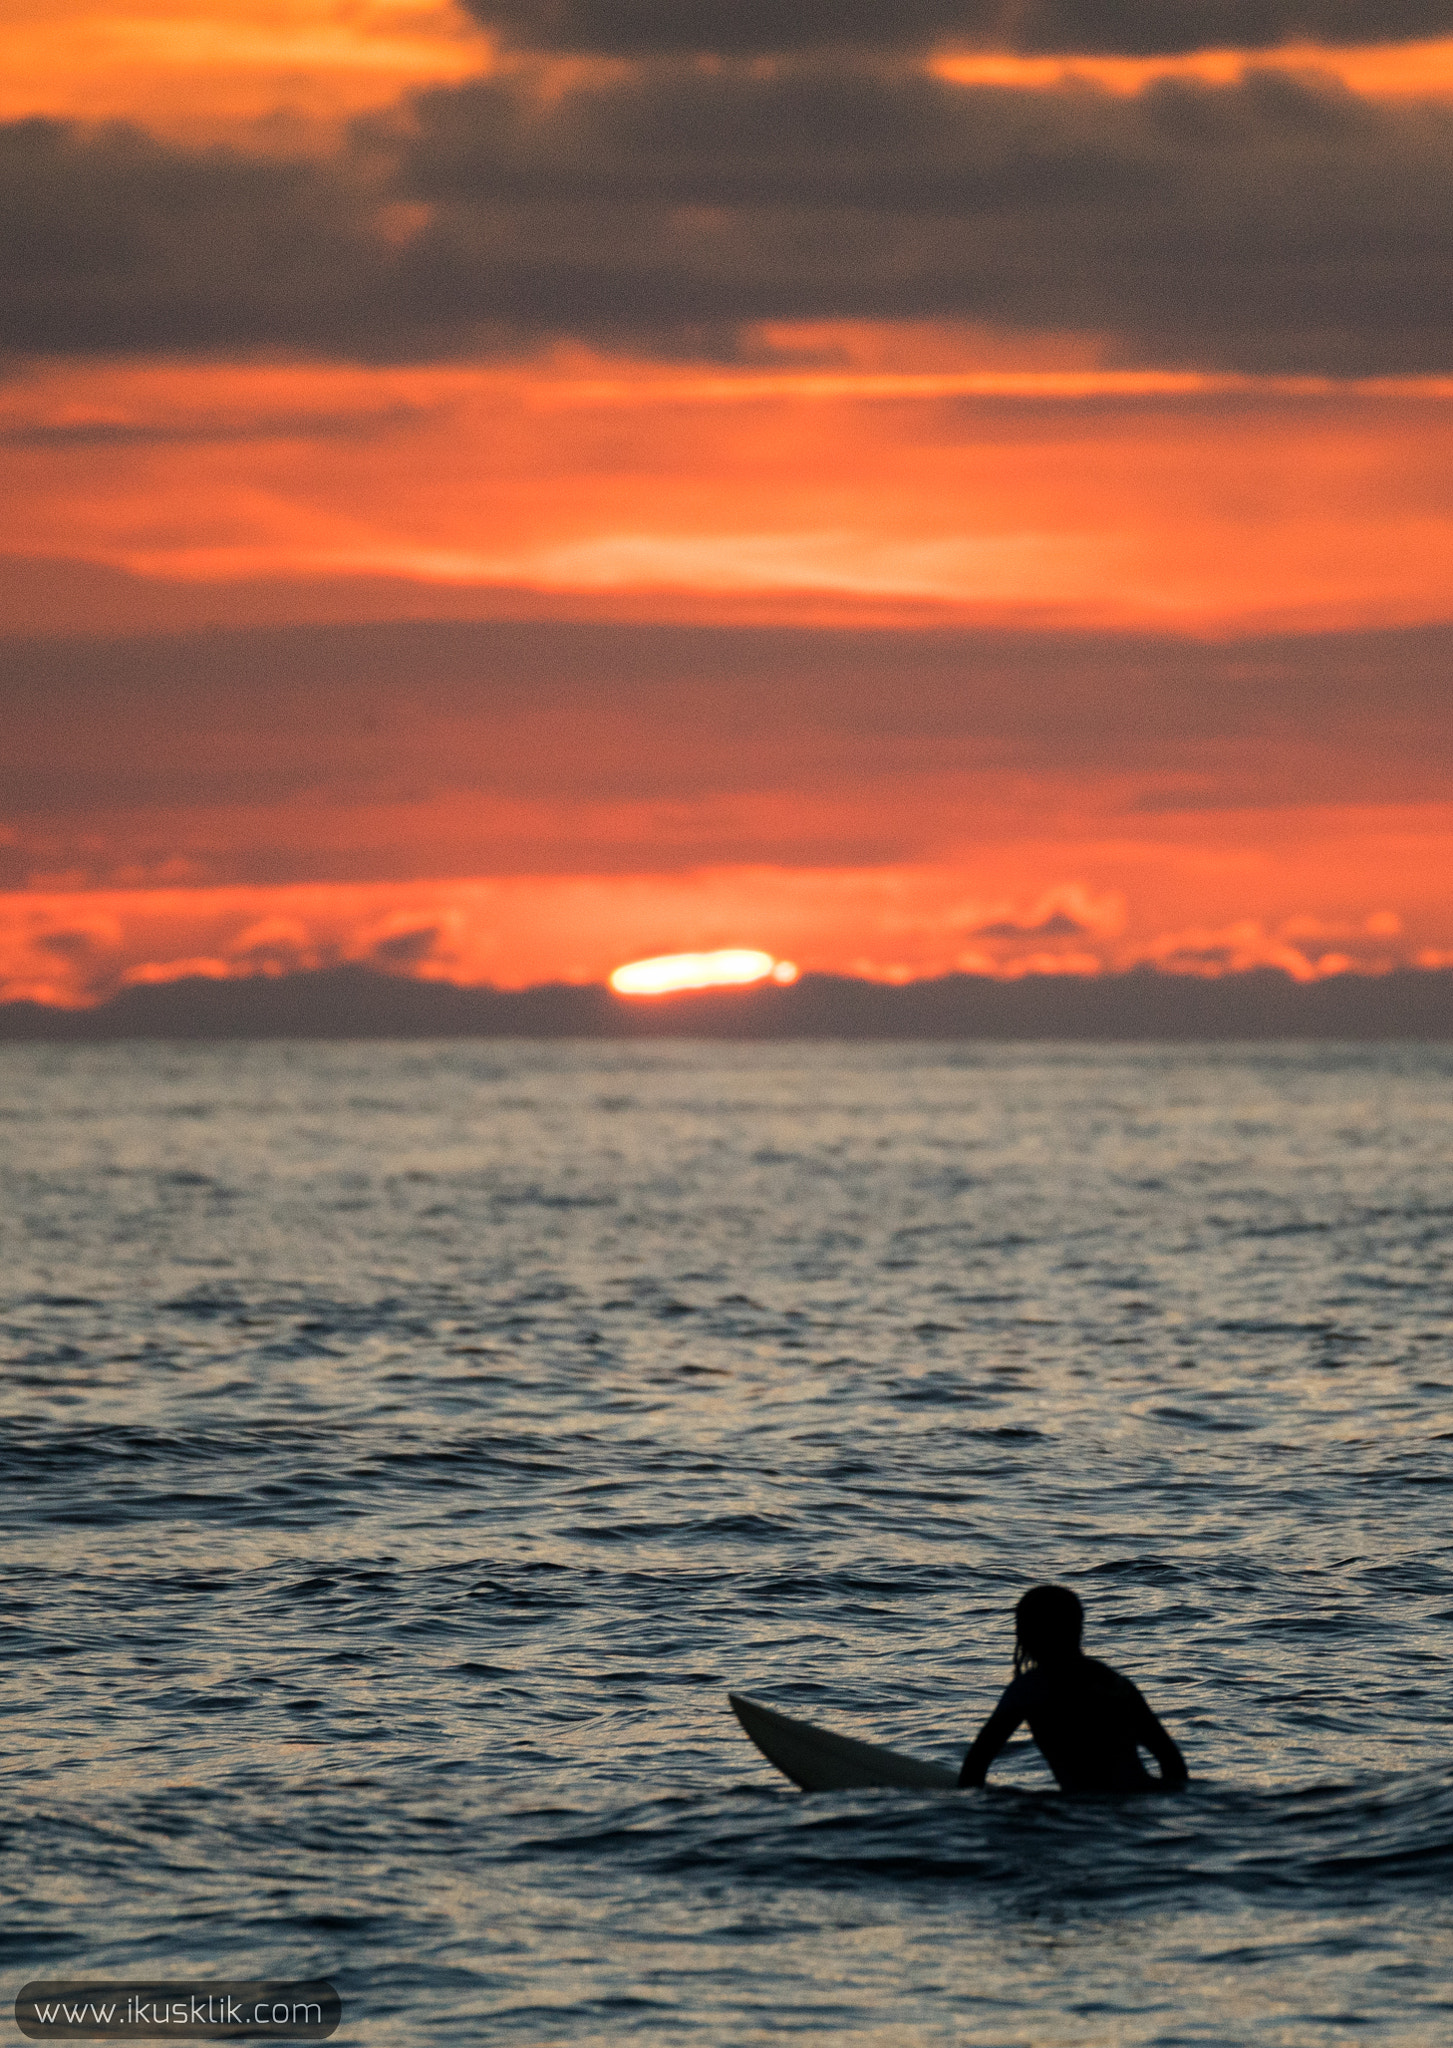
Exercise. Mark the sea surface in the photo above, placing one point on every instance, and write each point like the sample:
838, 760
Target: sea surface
406, 1446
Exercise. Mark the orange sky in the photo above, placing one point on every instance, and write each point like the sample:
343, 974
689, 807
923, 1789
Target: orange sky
915, 471
1045, 481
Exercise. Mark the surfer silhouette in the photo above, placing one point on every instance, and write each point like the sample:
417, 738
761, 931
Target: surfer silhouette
1088, 1722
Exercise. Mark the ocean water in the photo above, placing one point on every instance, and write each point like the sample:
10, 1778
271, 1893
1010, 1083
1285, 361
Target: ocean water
405, 1447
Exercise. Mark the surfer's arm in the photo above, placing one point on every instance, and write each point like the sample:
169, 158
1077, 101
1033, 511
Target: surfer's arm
991, 1738
1150, 1735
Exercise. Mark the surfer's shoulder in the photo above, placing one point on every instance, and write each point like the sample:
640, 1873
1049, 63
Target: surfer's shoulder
1105, 1678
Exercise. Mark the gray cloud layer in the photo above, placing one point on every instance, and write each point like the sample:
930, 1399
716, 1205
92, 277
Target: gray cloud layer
1135, 27
560, 708
1276, 224
555, 747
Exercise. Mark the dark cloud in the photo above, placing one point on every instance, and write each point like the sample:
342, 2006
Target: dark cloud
407, 949
1180, 1006
1056, 926
635, 28
112, 241
367, 424
1279, 224
74, 946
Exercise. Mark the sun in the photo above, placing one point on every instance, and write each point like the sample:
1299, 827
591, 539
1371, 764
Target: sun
669, 973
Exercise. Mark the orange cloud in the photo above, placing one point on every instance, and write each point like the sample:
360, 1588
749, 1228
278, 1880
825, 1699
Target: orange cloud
266, 70
1386, 71
255, 70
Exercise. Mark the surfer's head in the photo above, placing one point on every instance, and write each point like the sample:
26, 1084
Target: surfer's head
1047, 1626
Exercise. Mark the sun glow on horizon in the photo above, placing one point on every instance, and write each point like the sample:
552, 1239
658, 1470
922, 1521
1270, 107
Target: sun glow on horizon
672, 973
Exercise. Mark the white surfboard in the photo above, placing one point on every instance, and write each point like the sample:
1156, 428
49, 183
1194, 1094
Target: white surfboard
820, 1761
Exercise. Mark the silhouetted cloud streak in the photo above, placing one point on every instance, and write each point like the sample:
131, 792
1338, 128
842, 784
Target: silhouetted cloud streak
633, 28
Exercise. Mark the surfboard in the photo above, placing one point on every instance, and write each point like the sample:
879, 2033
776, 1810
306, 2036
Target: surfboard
820, 1761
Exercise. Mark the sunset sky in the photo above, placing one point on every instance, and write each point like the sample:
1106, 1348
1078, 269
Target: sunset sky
497, 491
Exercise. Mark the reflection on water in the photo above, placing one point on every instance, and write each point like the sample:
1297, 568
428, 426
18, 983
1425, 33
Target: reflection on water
407, 1445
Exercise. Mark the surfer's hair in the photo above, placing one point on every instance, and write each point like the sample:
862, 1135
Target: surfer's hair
1047, 1625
